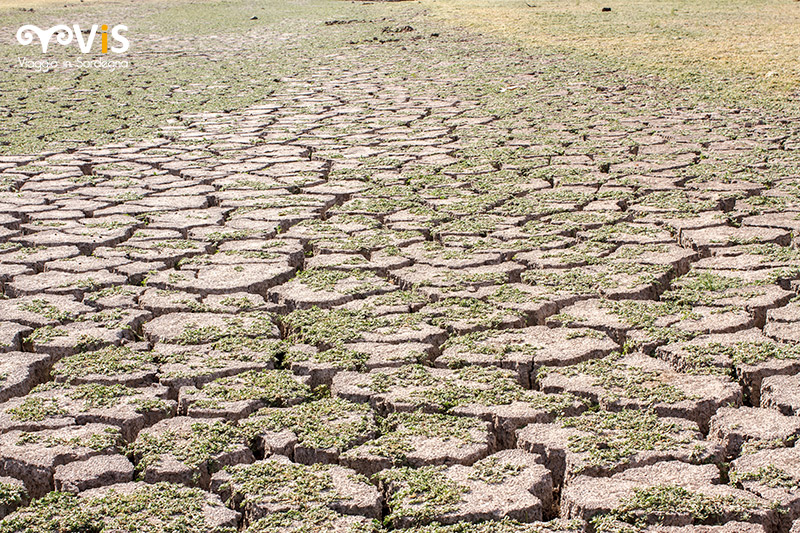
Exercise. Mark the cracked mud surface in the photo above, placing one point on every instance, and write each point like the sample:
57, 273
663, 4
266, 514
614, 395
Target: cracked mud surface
470, 291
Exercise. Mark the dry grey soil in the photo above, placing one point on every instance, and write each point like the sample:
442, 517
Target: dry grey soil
434, 283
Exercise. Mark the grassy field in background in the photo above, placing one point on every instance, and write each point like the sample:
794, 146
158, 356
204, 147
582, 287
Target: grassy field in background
745, 52
14, 4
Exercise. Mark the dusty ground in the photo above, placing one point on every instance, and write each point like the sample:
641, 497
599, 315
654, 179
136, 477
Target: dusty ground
351, 269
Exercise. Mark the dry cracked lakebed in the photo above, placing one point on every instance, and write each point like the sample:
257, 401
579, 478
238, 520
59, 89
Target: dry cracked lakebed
392, 296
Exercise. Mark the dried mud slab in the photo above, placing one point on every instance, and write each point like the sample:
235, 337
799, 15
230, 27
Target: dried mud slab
322, 365
524, 350
42, 310
127, 506
203, 328
784, 324
334, 327
492, 395
782, 393
56, 405
668, 494
637, 381
730, 527
753, 291
646, 325
240, 395
196, 365
505, 525
745, 429
432, 279
749, 355
314, 432
34, 457
773, 475
467, 315
533, 303
188, 451
616, 280
509, 484
312, 519
21, 372
325, 288
96, 471
113, 365
277, 485
422, 439
602, 443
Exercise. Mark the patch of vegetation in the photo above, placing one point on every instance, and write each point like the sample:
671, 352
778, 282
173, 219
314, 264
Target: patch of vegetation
240, 348
398, 430
320, 279
420, 494
36, 409
492, 470
308, 520
677, 201
323, 424
655, 504
273, 387
741, 353
774, 252
570, 281
112, 360
117, 290
769, 475
12, 495
42, 307
608, 438
293, 485
703, 288
150, 508
97, 396
45, 334
109, 440
338, 357
200, 445
330, 327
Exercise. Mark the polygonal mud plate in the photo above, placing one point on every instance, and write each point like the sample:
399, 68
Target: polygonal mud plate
422, 439
667, 493
240, 395
640, 382
276, 485
315, 432
601, 443
509, 484
187, 451
55, 405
